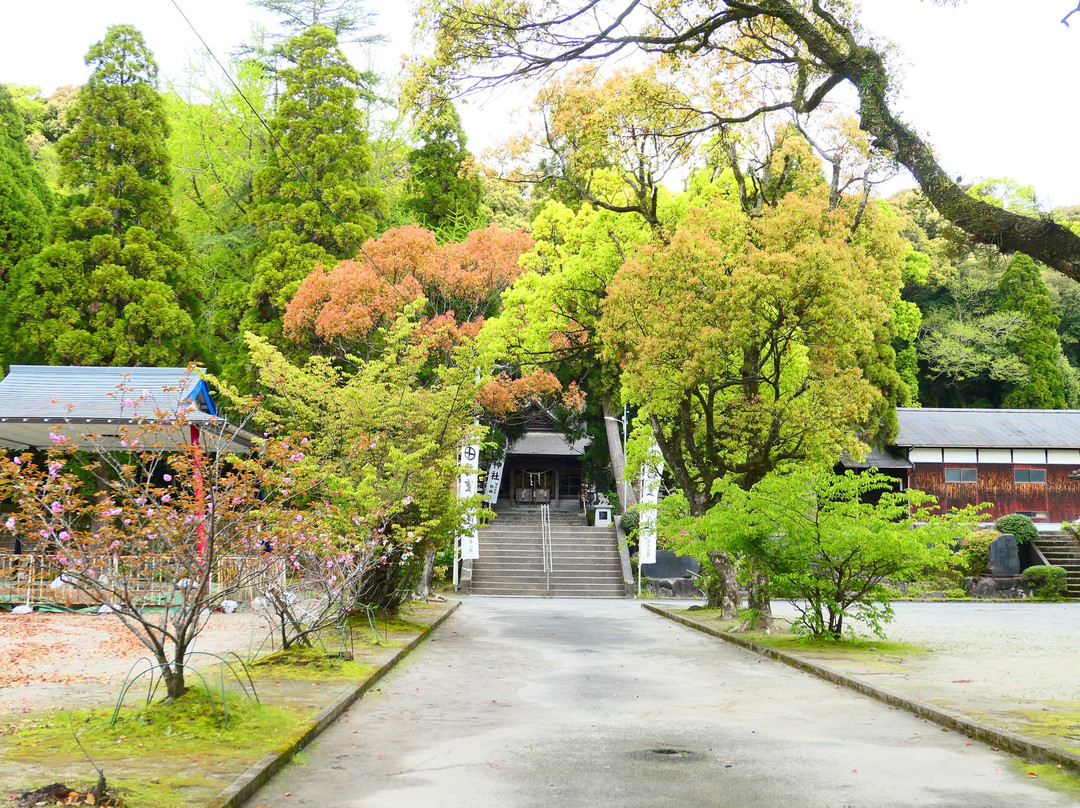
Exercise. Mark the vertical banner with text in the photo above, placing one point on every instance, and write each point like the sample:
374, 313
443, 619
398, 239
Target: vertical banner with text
469, 459
494, 480
650, 497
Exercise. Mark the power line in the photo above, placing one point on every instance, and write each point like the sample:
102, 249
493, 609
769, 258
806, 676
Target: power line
281, 146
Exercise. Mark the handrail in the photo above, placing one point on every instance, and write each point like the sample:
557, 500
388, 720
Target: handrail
545, 541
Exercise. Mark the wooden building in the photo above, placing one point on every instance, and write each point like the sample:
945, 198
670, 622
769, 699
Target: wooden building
1019, 461
543, 466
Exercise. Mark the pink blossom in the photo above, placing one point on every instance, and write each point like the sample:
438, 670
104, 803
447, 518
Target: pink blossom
140, 501
56, 508
127, 521
10, 523
55, 438
299, 517
303, 441
54, 470
64, 535
43, 533
128, 402
114, 544
17, 461
167, 478
166, 498
297, 457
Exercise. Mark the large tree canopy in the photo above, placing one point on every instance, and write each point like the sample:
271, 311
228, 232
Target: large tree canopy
115, 286
800, 50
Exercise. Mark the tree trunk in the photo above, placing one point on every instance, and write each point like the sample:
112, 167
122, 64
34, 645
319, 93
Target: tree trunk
174, 681
424, 588
626, 493
724, 588
759, 602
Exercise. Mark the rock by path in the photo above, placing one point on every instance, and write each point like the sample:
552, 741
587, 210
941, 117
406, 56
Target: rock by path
587, 703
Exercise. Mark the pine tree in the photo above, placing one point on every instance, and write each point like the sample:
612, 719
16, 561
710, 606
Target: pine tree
442, 188
1037, 345
318, 124
114, 288
25, 202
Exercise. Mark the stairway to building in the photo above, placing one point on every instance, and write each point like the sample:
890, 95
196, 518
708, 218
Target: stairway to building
1062, 550
585, 560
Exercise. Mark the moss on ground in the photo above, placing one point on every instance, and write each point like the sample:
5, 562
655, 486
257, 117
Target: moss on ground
848, 647
1051, 776
301, 662
1059, 723
189, 739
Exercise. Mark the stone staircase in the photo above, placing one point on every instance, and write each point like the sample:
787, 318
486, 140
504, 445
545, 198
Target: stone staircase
1062, 550
585, 559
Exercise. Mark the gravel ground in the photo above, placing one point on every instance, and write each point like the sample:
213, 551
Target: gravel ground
81, 660
997, 660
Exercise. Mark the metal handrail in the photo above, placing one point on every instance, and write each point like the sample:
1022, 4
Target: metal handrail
545, 541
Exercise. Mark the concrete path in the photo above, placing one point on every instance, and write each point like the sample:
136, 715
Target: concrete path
599, 703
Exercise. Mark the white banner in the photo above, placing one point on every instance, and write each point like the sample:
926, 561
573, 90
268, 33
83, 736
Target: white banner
650, 497
494, 480
469, 458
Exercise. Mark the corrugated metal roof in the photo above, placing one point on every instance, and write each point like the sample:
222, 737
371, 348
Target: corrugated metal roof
548, 443
40, 391
100, 400
989, 429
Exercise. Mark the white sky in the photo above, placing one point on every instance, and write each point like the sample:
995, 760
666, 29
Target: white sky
992, 83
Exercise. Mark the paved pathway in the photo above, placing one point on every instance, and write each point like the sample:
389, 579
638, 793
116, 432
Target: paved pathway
562, 703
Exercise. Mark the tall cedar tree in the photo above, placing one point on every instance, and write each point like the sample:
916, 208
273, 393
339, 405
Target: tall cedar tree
25, 202
442, 187
114, 287
1037, 344
319, 125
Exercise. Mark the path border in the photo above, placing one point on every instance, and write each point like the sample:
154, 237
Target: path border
244, 787
1011, 742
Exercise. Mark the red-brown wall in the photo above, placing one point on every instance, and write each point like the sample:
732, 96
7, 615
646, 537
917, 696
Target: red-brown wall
1059, 497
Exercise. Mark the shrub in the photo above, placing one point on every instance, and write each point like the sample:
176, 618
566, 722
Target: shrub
1072, 528
1048, 582
1019, 525
973, 554
629, 522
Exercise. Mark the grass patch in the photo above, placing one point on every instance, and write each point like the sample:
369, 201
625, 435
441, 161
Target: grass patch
848, 647
843, 647
302, 662
183, 738
187, 726
1053, 777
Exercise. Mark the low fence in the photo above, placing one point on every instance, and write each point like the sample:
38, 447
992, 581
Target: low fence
37, 579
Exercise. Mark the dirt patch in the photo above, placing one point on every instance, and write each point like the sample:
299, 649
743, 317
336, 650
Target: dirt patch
76, 660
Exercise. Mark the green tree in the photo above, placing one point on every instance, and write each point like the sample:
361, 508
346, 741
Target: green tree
745, 341
831, 542
115, 287
442, 188
318, 124
217, 144
1037, 345
25, 202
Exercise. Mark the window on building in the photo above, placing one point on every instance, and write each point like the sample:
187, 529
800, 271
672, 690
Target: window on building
961, 476
1029, 476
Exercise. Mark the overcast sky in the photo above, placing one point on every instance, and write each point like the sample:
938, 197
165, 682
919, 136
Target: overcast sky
992, 83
